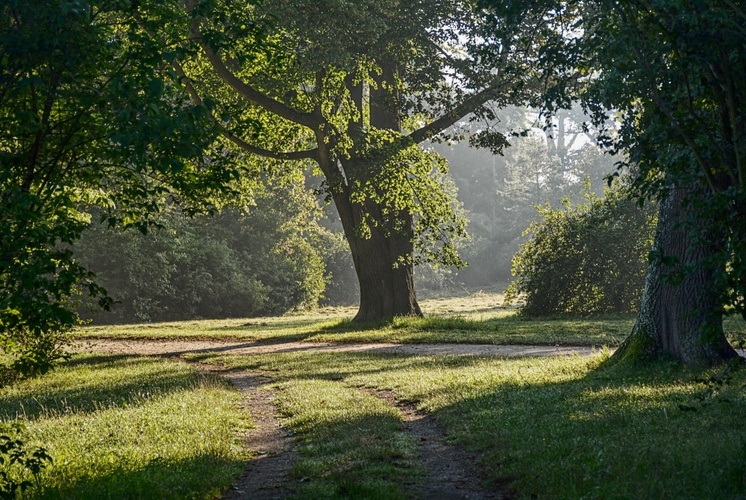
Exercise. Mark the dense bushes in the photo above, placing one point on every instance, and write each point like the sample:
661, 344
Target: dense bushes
265, 261
587, 259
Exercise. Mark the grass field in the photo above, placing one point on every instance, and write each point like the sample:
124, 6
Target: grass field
130, 427
557, 427
563, 427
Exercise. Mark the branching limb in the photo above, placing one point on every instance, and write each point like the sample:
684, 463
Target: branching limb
310, 120
454, 115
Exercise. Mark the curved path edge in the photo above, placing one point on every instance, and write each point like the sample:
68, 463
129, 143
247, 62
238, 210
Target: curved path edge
177, 347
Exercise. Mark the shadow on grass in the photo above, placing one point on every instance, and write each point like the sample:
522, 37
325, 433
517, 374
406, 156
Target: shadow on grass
161, 479
619, 432
336, 366
101, 389
356, 445
509, 330
561, 430
274, 323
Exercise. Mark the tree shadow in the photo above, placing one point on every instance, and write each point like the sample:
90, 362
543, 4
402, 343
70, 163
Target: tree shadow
310, 364
101, 390
612, 431
203, 476
617, 432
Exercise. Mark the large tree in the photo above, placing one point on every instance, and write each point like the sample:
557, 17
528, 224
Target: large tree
354, 87
87, 117
672, 75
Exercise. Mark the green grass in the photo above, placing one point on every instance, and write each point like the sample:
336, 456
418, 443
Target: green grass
354, 444
557, 427
562, 427
130, 427
479, 319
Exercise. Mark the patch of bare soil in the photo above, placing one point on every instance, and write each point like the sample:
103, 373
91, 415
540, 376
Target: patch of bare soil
267, 474
450, 472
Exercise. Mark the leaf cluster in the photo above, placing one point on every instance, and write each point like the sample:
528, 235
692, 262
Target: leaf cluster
17, 461
89, 116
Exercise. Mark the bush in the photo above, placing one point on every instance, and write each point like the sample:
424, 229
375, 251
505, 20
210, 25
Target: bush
587, 259
18, 461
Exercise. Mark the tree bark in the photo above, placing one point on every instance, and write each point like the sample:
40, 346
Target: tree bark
382, 259
382, 253
681, 318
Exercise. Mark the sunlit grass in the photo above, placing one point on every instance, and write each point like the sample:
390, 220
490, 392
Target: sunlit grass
124, 427
562, 427
479, 318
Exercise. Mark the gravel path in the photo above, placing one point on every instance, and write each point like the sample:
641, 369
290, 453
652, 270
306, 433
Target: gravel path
182, 346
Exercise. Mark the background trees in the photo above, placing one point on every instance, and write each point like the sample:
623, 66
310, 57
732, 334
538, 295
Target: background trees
267, 259
500, 193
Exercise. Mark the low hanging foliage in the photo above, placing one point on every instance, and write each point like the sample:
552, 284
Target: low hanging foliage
585, 259
90, 116
18, 462
406, 178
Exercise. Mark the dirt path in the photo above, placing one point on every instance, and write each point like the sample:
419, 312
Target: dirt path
450, 473
182, 346
267, 474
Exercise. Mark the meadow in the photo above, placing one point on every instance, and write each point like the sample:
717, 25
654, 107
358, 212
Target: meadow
552, 427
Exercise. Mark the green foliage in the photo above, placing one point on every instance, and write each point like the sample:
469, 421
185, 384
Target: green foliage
17, 461
665, 82
355, 87
234, 264
587, 259
88, 117
499, 193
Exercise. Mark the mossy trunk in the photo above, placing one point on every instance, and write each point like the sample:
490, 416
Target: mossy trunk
680, 315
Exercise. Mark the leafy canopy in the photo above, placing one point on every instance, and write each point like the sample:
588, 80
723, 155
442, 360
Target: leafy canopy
89, 116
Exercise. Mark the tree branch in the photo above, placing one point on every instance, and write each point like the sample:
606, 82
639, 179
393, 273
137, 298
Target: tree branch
292, 155
248, 92
197, 99
454, 115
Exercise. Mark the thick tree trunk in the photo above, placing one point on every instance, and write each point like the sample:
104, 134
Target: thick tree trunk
682, 317
382, 262
381, 246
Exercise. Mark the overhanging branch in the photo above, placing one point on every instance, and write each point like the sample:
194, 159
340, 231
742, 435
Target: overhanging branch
292, 155
247, 91
277, 155
469, 105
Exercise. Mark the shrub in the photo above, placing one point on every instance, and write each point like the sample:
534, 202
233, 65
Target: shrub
586, 259
18, 461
